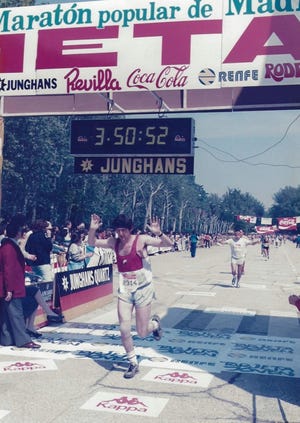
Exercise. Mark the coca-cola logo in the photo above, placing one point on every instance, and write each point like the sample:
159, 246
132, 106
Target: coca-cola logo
287, 221
168, 77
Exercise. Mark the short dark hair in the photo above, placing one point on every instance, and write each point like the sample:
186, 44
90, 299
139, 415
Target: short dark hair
122, 221
15, 225
13, 229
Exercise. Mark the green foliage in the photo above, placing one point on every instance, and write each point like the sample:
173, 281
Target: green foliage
286, 202
38, 180
236, 203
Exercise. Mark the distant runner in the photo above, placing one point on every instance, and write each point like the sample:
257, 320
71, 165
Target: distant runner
265, 247
238, 245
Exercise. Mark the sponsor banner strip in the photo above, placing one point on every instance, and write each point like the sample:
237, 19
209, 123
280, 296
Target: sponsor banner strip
150, 46
212, 351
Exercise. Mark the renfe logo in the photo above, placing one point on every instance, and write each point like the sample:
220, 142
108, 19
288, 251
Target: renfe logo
251, 44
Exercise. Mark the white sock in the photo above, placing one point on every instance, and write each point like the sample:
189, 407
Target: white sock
132, 357
154, 325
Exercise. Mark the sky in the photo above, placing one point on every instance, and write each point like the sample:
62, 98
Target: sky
226, 140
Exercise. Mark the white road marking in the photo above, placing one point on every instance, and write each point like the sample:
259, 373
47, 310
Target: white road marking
202, 294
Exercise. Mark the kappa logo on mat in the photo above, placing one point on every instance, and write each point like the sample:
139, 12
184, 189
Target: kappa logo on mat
179, 377
27, 366
126, 404
183, 378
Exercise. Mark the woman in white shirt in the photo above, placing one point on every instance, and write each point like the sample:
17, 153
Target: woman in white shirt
76, 253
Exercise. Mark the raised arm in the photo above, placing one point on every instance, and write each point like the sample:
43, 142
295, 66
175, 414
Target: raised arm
92, 240
161, 240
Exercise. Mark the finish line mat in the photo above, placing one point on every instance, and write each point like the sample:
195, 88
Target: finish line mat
211, 351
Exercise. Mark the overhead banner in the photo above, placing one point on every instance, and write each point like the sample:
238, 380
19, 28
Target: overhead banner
248, 219
287, 223
135, 165
122, 46
267, 229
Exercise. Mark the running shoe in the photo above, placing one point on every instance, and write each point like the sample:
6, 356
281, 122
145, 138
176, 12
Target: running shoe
237, 284
131, 371
233, 280
157, 333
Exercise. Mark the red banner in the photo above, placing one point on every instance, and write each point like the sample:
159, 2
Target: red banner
287, 223
265, 229
249, 219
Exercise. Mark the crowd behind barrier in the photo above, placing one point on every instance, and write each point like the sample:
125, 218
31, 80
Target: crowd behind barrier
61, 238
63, 291
180, 243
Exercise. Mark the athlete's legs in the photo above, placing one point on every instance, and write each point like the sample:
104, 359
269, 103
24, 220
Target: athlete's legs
239, 271
144, 325
125, 314
233, 269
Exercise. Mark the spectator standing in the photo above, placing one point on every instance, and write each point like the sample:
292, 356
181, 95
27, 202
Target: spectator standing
39, 244
12, 290
207, 241
66, 233
76, 254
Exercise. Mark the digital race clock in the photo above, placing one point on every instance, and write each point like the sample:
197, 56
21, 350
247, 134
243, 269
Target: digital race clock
150, 137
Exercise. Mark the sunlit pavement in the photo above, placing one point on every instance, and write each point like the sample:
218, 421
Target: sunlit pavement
227, 355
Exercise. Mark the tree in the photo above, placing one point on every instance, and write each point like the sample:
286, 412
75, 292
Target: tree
234, 203
287, 202
39, 181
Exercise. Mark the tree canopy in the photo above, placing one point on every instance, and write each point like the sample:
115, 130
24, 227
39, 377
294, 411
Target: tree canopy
38, 180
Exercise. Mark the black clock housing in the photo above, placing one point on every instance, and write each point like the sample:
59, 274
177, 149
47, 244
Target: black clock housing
114, 137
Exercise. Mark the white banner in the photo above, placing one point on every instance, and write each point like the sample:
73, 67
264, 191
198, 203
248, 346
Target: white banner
266, 220
115, 46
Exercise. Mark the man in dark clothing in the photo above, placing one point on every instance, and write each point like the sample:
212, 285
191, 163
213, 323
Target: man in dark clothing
193, 244
39, 244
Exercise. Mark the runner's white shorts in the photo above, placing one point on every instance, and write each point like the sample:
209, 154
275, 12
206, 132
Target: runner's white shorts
142, 297
240, 261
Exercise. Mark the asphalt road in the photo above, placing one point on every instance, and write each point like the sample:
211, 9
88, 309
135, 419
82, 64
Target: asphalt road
227, 355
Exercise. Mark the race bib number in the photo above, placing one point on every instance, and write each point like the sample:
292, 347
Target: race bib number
130, 282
